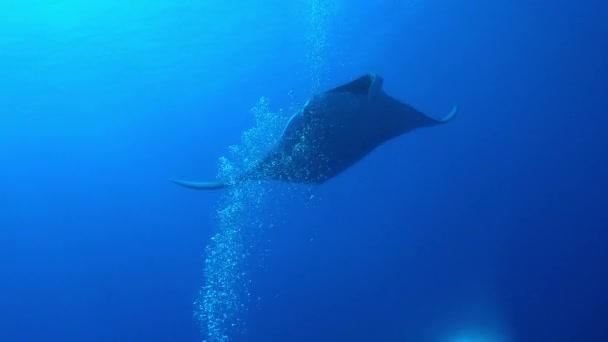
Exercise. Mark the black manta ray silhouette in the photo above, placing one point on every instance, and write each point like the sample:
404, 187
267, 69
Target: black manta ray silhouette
333, 131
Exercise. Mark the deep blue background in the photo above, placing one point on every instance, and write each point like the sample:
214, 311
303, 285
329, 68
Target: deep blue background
493, 226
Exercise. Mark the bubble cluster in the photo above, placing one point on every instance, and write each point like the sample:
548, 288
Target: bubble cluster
316, 37
222, 303
223, 300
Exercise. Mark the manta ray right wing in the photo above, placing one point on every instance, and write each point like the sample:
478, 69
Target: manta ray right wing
450, 115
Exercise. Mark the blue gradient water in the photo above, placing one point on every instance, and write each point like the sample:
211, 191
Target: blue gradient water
490, 228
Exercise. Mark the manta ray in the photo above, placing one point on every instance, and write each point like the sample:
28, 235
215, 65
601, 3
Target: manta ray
334, 130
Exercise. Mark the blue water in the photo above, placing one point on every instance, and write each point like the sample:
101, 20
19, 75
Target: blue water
493, 227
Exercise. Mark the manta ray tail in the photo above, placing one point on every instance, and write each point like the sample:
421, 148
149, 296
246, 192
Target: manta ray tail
200, 185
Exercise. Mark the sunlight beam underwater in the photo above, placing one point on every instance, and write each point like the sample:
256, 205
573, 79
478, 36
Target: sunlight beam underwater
333, 131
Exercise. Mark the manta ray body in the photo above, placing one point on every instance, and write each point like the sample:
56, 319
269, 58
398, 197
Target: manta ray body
333, 131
